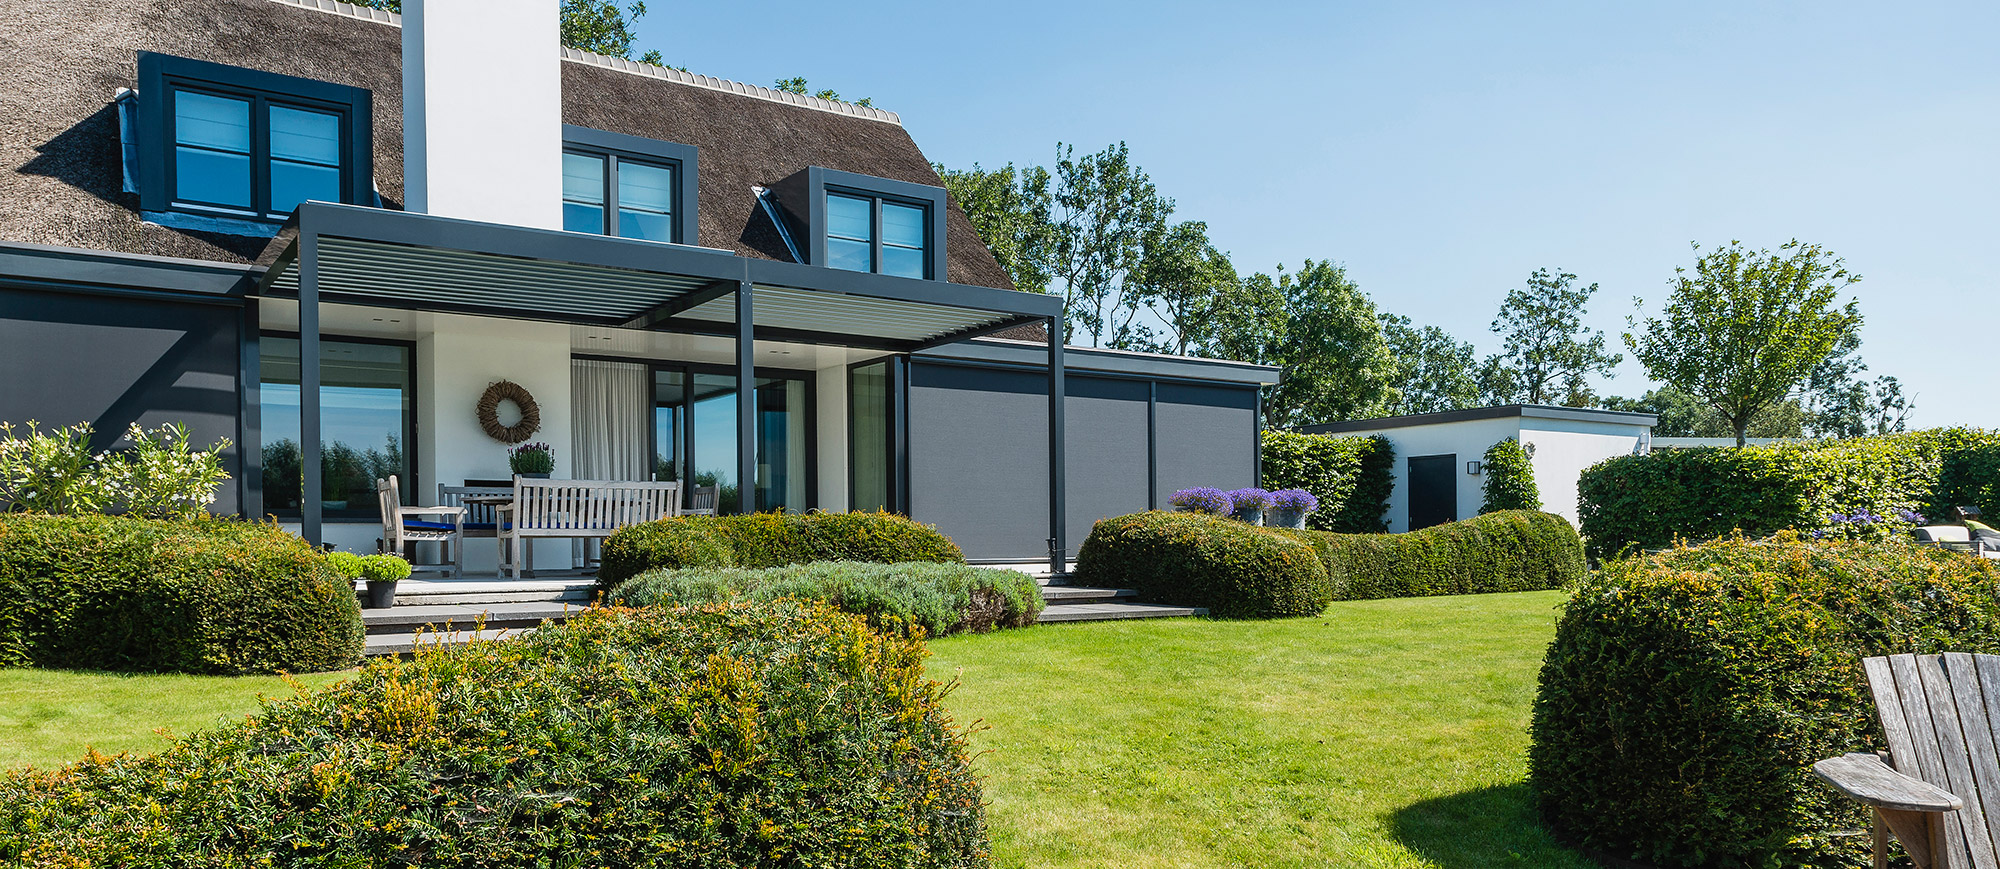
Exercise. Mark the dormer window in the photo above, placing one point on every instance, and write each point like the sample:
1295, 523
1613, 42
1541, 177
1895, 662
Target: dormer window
861, 223
244, 144
627, 186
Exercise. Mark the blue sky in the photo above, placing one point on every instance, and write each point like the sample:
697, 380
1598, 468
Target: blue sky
1444, 151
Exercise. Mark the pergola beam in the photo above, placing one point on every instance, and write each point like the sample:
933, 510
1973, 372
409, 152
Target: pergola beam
689, 300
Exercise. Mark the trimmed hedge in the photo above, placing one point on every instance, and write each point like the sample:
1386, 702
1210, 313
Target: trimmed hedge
206, 596
769, 540
1511, 550
939, 598
1194, 559
1700, 494
1688, 692
1351, 476
1510, 479
782, 734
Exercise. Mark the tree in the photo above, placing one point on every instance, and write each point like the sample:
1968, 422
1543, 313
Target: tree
1841, 403
1684, 415
1746, 328
797, 85
1181, 279
1105, 208
1323, 330
1434, 371
1546, 352
587, 25
1009, 209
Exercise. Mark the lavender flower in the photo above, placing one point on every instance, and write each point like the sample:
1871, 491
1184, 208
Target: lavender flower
1250, 498
1204, 499
1299, 500
1911, 516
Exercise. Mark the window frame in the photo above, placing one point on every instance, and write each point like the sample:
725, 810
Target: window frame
822, 182
684, 160
161, 75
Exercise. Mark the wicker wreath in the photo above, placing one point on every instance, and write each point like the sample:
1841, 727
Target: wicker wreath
489, 412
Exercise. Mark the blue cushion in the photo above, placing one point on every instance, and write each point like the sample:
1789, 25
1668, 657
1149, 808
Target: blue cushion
482, 526
422, 525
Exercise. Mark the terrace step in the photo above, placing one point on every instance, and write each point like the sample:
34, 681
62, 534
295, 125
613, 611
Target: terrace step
1104, 612
1066, 594
477, 591
407, 619
406, 643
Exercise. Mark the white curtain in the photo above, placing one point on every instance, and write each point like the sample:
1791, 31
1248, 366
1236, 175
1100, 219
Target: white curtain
608, 420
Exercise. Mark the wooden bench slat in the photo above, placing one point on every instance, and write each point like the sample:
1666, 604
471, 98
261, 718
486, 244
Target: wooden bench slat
1926, 734
1953, 747
1866, 778
1975, 724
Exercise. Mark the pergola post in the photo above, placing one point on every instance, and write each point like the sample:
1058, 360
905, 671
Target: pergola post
1058, 497
309, 434
746, 402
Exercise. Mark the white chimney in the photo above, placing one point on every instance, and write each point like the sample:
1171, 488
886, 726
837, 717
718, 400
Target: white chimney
482, 110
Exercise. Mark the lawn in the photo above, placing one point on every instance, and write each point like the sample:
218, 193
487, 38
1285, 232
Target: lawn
1384, 733
49, 717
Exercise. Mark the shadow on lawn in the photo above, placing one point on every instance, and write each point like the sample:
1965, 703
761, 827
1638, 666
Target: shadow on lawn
1493, 826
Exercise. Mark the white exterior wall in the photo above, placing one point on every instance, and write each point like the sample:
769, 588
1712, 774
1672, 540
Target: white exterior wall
1564, 448
831, 383
482, 110
1467, 440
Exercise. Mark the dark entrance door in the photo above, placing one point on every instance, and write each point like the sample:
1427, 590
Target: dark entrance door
1433, 490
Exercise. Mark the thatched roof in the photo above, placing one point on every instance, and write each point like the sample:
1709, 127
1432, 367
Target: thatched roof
65, 62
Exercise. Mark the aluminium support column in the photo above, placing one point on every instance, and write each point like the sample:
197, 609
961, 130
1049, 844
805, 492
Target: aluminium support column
746, 402
309, 430
1058, 496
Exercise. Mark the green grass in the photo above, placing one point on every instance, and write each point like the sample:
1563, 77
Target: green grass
1384, 733
49, 717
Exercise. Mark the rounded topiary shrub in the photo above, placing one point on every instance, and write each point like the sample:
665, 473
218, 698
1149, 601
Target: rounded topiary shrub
781, 734
204, 596
1512, 550
1193, 559
939, 598
1510, 479
1687, 693
770, 540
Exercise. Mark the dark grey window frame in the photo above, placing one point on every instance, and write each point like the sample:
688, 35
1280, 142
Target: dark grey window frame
615, 147
253, 366
820, 182
161, 74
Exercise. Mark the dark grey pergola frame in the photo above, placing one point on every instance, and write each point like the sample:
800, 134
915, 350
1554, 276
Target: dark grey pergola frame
297, 259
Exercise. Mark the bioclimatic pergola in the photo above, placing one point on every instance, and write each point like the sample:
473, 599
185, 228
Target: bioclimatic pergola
368, 256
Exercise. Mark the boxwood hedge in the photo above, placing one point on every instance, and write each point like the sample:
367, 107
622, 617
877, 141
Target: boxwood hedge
1351, 476
770, 540
204, 596
1509, 550
939, 598
1701, 494
1688, 692
781, 734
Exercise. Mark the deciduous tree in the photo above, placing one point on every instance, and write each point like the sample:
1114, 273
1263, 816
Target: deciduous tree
1434, 371
1010, 209
1323, 330
1547, 354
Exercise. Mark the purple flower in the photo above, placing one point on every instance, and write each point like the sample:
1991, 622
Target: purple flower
1250, 498
1298, 500
1911, 516
1204, 499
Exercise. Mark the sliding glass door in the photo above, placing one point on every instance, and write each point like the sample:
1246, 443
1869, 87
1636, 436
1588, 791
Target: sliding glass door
694, 424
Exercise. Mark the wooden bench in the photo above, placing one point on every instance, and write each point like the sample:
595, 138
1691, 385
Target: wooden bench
574, 509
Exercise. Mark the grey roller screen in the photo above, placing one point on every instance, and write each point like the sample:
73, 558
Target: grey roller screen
1207, 437
115, 361
1104, 423
979, 458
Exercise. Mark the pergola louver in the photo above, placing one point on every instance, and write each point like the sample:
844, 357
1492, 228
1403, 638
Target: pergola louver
377, 257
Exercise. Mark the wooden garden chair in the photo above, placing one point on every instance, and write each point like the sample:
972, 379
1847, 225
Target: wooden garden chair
1938, 787
404, 527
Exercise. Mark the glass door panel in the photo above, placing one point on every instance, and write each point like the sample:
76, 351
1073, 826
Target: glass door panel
712, 405
868, 436
669, 418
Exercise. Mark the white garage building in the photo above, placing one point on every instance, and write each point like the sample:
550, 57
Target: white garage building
1439, 473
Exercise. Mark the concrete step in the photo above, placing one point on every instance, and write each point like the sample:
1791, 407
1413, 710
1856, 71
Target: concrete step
1101, 612
406, 619
405, 643
475, 591
1056, 594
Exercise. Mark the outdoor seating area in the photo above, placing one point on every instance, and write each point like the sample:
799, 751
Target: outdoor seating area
529, 509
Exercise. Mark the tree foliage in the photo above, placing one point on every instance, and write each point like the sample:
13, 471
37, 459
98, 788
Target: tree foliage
1547, 355
1320, 327
797, 85
1510, 479
1009, 208
596, 26
1105, 209
1434, 371
1746, 328
1684, 415
1183, 280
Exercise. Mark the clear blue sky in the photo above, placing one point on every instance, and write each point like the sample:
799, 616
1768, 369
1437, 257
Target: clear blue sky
1444, 151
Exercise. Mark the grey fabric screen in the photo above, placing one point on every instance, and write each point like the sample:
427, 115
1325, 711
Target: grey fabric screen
979, 458
1206, 437
1104, 436
115, 361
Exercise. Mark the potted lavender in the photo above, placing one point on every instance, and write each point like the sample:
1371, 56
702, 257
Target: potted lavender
1203, 499
1289, 508
1251, 504
535, 461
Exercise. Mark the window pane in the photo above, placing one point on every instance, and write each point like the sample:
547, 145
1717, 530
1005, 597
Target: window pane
365, 425
853, 256
583, 179
902, 261
847, 217
902, 225
713, 462
645, 224
645, 188
306, 137
293, 183
781, 444
214, 122
212, 177
868, 436
583, 218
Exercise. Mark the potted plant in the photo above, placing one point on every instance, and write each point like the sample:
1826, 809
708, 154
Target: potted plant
1289, 508
536, 460
1202, 499
1250, 504
382, 572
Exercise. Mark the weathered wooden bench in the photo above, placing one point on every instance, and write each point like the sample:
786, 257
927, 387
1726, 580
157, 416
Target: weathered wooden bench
574, 509
1938, 788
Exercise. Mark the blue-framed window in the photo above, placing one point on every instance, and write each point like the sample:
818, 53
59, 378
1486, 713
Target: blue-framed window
628, 186
246, 144
866, 224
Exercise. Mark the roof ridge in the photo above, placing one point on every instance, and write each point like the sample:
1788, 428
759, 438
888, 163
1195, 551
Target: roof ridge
838, 107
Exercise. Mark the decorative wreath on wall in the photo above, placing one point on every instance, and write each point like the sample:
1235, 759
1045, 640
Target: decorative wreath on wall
489, 412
